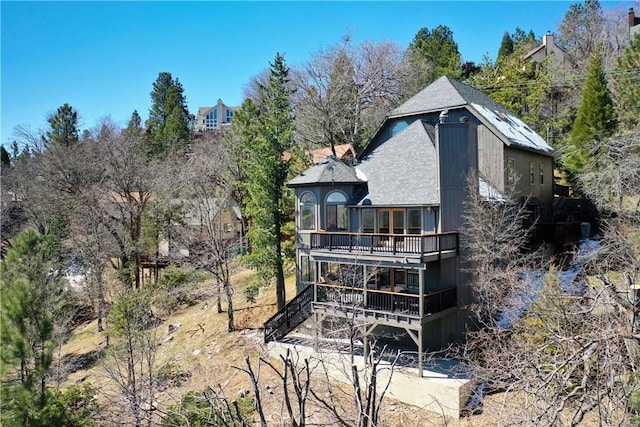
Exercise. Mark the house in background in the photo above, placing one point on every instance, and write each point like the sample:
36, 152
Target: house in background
344, 152
379, 240
210, 119
634, 23
549, 49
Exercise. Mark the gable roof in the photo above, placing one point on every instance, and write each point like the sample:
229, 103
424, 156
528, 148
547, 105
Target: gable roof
403, 170
329, 171
443, 93
450, 93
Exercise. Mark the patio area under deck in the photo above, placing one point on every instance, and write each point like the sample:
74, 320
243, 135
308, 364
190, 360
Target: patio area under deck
410, 312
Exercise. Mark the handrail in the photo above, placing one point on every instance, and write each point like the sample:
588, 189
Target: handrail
290, 316
386, 301
385, 242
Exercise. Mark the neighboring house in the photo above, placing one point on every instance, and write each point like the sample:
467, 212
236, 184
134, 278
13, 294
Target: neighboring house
221, 214
381, 237
214, 118
549, 49
344, 152
634, 23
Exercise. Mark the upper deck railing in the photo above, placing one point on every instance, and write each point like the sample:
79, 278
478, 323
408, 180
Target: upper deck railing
386, 243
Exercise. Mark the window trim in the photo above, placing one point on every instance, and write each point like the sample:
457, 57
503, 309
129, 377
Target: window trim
532, 173
312, 206
511, 170
340, 211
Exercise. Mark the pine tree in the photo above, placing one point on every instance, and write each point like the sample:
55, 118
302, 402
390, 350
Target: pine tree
626, 85
5, 157
134, 127
168, 123
506, 47
32, 301
438, 48
64, 127
265, 139
595, 120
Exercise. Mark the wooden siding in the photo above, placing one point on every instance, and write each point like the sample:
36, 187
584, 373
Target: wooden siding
457, 150
490, 157
524, 188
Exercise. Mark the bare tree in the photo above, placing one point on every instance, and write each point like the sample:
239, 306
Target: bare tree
130, 363
213, 227
343, 92
549, 338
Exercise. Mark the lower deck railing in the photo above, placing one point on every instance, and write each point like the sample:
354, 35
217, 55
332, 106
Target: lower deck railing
393, 302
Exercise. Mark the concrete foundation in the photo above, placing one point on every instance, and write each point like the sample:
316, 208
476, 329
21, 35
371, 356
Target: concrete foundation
442, 388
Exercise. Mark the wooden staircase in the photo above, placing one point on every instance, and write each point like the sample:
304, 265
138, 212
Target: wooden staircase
291, 316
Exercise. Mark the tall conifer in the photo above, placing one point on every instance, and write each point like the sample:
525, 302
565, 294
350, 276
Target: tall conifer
595, 120
266, 137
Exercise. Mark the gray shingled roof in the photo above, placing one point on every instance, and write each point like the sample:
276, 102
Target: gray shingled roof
403, 170
329, 171
445, 93
450, 93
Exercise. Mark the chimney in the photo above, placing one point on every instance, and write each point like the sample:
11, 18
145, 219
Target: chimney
443, 115
632, 17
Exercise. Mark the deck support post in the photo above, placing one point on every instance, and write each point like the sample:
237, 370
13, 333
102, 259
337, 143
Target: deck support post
420, 352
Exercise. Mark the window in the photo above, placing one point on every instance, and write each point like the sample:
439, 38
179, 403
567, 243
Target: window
414, 221
307, 212
307, 269
532, 174
431, 220
336, 211
399, 278
229, 115
413, 282
511, 171
212, 119
368, 221
541, 172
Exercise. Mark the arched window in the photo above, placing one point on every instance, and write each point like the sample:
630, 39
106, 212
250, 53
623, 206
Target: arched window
307, 212
336, 211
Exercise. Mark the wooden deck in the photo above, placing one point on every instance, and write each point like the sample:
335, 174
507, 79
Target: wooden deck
394, 244
396, 303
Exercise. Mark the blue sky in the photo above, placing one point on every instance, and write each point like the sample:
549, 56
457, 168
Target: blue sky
103, 57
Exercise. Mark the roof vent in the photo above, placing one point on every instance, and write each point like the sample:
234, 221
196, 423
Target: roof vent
464, 119
443, 116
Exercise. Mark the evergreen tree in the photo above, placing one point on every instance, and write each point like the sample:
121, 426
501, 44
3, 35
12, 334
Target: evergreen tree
168, 123
32, 301
267, 135
506, 47
595, 120
438, 48
5, 157
626, 85
64, 127
134, 127
520, 37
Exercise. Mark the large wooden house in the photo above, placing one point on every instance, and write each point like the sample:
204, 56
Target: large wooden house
380, 239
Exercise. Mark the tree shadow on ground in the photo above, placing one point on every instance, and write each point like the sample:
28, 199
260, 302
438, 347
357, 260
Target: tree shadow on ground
74, 362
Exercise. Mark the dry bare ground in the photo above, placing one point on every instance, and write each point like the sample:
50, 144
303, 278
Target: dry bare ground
201, 353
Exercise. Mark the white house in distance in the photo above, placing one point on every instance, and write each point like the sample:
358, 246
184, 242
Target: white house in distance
550, 49
214, 118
